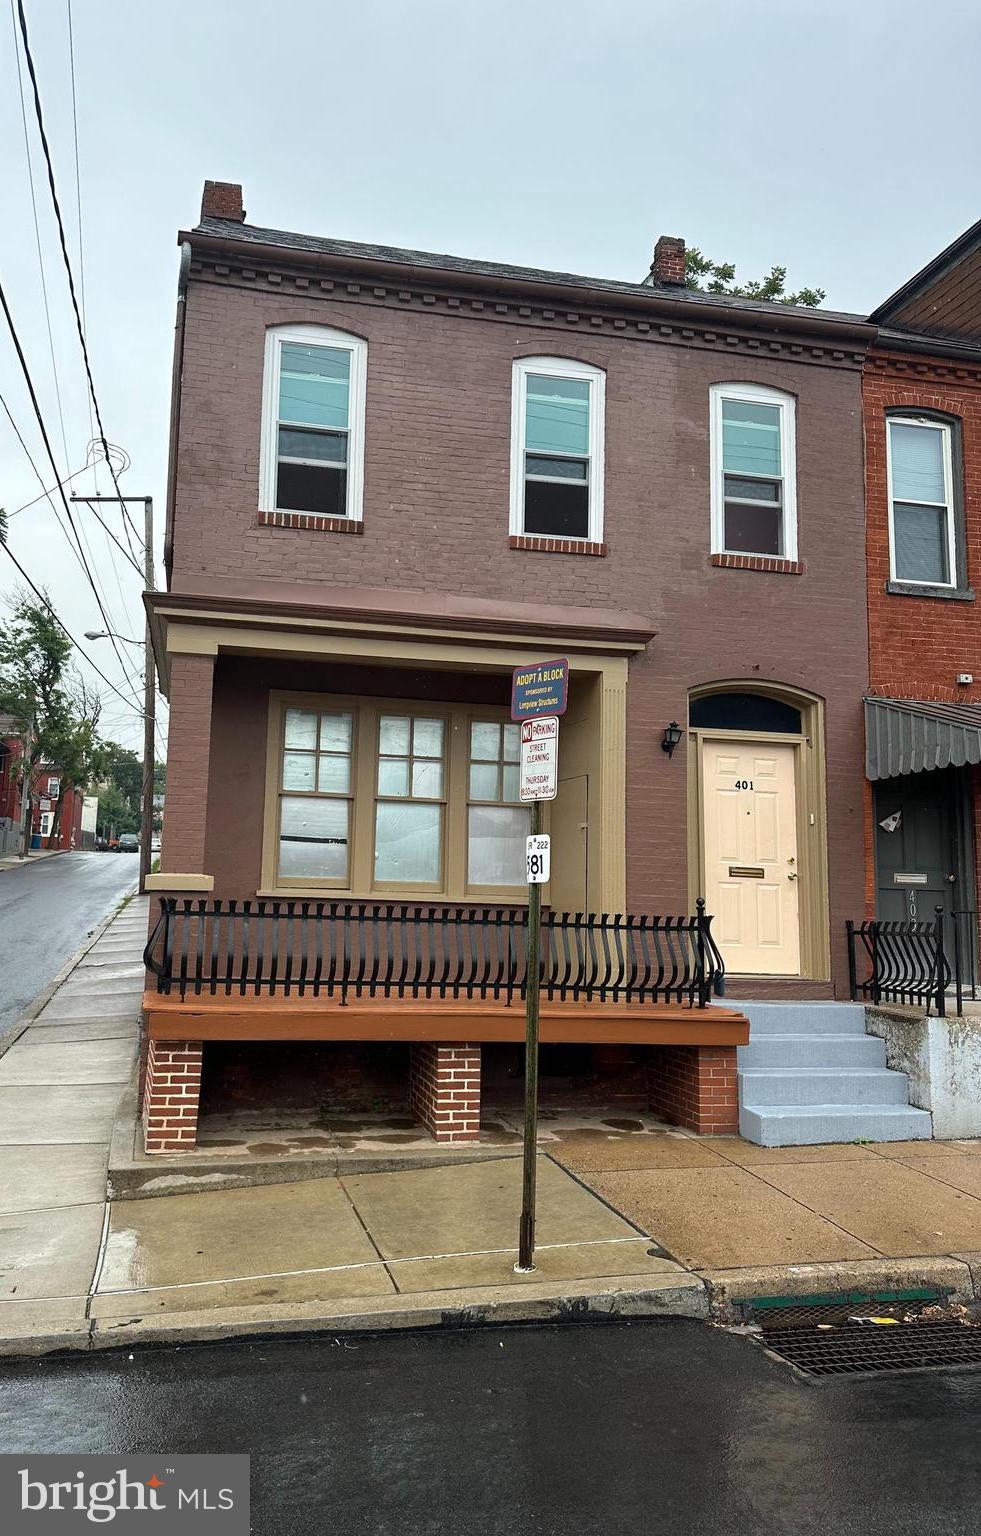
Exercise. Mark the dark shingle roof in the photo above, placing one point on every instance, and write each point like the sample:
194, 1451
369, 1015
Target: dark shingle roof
227, 229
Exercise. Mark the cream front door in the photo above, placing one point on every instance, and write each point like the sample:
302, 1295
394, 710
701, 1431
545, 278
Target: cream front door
750, 840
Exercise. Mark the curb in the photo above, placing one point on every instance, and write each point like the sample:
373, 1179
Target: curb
43, 998
49, 853
731, 1290
596, 1301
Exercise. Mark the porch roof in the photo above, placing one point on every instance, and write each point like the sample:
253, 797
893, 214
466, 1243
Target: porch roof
916, 735
353, 610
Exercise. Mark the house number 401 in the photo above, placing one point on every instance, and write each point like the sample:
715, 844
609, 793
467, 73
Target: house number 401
744, 783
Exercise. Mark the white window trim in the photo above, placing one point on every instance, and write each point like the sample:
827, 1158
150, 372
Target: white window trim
754, 394
322, 336
943, 428
562, 368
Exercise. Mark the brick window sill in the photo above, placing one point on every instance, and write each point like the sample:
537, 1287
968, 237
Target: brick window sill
311, 522
768, 563
549, 546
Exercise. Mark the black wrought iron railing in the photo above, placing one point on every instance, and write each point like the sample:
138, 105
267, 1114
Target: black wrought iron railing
965, 925
356, 948
901, 962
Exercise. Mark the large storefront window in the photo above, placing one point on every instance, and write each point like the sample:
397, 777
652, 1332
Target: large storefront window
383, 797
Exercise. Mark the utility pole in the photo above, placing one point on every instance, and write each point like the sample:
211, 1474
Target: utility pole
149, 684
25, 791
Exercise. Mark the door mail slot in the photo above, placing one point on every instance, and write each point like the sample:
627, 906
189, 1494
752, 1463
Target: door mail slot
909, 879
745, 872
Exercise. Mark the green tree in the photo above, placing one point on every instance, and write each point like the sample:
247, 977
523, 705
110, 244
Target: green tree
707, 276
54, 711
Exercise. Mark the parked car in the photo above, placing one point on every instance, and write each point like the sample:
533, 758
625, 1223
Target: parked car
128, 843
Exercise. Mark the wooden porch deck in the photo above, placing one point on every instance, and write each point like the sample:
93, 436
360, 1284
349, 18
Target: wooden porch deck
221, 1017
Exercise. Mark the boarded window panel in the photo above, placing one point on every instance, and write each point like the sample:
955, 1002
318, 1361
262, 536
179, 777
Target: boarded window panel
750, 438
496, 844
917, 463
408, 843
300, 770
314, 385
301, 728
556, 511
307, 488
313, 839
920, 537
556, 415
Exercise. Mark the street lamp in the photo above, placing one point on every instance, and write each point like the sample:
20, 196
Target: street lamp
105, 634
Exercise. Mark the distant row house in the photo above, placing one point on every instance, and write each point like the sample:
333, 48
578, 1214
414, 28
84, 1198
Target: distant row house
751, 528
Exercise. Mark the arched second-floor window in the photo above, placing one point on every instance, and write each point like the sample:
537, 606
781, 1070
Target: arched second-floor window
557, 434
754, 471
312, 446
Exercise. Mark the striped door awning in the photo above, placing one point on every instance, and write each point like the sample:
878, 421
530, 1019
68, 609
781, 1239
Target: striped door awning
917, 735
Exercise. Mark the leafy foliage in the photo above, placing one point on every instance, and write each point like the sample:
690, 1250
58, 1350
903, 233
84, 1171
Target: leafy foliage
707, 276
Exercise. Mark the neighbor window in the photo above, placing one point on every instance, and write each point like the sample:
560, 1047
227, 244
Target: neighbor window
754, 501
394, 798
921, 510
313, 422
557, 449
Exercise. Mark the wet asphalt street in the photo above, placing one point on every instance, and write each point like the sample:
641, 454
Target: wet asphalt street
46, 911
668, 1427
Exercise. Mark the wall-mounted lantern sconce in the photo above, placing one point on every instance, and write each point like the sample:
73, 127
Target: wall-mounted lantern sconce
672, 735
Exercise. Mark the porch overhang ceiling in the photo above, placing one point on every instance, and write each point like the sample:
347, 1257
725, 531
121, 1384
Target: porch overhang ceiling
237, 613
915, 736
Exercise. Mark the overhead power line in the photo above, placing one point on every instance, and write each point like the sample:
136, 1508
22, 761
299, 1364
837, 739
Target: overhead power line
130, 703
64, 500
64, 252
78, 207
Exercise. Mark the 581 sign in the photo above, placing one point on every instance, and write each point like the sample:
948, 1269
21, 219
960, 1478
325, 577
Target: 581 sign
538, 857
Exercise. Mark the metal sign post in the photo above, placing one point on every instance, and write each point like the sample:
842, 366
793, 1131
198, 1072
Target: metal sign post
538, 696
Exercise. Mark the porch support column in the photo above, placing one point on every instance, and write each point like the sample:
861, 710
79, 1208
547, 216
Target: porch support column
444, 1090
188, 765
695, 1086
171, 1095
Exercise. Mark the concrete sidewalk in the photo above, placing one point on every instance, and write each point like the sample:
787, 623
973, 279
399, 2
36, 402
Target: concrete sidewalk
635, 1218
14, 861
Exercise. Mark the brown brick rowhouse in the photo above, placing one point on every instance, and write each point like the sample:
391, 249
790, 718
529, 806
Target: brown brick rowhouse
665, 486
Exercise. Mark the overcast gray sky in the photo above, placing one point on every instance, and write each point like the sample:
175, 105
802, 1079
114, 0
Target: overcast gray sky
837, 137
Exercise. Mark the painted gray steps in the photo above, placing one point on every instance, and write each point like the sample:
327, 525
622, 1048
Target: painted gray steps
808, 1124
823, 1085
803, 1018
789, 1051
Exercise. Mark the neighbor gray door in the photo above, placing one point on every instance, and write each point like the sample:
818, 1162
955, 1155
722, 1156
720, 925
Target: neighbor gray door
917, 863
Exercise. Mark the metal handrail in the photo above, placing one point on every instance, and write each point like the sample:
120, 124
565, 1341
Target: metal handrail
905, 962
291, 946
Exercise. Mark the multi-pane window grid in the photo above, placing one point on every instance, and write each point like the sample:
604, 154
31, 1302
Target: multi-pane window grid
753, 484
497, 822
411, 790
557, 460
313, 428
921, 510
315, 796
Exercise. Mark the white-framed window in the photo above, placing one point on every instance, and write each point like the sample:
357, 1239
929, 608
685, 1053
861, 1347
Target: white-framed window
922, 538
557, 436
754, 471
311, 455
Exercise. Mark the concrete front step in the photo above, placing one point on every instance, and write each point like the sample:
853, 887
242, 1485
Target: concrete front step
804, 1018
823, 1085
793, 1051
805, 1125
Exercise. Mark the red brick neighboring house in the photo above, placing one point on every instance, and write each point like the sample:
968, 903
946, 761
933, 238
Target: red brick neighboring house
395, 476
922, 394
45, 790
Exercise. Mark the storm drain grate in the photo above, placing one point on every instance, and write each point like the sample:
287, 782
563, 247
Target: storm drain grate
856, 1348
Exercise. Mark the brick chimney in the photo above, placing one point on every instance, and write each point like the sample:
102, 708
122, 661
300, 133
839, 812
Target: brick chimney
223, 200
668, 265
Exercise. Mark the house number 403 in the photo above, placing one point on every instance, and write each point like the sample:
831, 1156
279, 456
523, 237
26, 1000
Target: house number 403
744, 783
